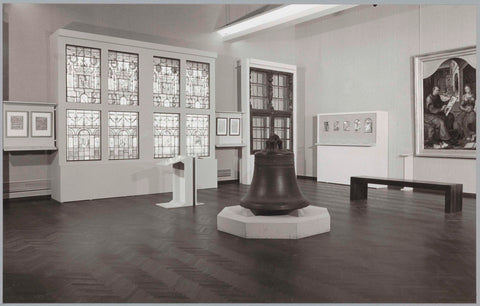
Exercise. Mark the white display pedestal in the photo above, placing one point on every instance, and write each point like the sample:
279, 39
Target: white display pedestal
301, 223
184, 182
337, 163
407, 169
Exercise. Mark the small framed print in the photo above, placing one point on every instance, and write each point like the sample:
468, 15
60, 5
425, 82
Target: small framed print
222, 126
17, 124
234, 126
41, 124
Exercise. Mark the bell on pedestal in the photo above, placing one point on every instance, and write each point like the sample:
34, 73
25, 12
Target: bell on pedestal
274, 189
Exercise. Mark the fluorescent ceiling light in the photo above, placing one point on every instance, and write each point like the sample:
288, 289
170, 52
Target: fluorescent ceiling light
284, 14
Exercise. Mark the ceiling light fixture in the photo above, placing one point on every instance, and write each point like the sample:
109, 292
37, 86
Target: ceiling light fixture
281, 15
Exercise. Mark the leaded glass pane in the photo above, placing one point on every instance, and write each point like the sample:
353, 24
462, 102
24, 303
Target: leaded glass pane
122, 135
282, 126
83, 74
83, 135
280, 97
258, 89
166, 131
198, 132
166, 82
122, 78
260, 132
198, 85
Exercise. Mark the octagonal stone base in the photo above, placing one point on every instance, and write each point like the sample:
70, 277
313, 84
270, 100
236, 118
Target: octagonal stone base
305, 222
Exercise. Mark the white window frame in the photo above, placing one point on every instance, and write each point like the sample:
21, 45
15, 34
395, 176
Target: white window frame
146, 51
247, 161
145, 108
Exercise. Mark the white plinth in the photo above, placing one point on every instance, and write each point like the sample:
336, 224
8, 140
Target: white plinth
301, 223
173, 204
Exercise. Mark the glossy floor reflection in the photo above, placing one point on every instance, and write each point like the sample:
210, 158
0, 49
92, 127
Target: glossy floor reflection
395, 247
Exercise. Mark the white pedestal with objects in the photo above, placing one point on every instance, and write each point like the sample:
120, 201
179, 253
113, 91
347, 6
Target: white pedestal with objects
184, 182
345, 149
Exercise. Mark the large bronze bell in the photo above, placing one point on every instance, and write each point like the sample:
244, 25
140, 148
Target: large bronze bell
274, 189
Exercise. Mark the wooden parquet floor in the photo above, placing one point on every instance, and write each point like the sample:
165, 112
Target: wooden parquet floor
396, 247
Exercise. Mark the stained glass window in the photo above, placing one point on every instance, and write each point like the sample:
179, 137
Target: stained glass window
122, 135
198, 135
166, 82
198, 85
258, 89
166, 131
122, 78
83, 74
280, 97
282, 126
260, 132
83, 135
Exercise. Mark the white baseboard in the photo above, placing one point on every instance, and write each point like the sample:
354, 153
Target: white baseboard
22, 189
26, 194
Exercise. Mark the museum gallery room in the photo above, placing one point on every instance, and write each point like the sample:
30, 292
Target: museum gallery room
239, 153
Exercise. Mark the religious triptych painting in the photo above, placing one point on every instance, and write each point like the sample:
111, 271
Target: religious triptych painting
445, 103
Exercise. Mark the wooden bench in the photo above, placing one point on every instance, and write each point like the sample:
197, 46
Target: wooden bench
453, 192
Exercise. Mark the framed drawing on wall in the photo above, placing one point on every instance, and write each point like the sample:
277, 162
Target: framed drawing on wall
41, 124
16, 124
445, 103
222, 126
234, 127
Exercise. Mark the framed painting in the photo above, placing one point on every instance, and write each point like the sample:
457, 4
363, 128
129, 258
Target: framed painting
41, 124
222, 126
234, 129
445, 103
16, 124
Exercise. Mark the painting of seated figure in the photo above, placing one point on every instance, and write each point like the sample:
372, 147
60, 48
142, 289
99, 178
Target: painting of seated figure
446, 103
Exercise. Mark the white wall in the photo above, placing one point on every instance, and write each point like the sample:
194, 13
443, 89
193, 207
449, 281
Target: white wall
358, 60
191, 26
361, 60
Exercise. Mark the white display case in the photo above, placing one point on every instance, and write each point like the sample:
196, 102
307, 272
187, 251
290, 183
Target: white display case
28, 126
336, 163
229, 130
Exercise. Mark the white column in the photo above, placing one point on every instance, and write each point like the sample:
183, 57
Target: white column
407, 169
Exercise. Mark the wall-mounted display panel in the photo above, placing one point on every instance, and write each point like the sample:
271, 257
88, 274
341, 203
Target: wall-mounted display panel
229, 126
347, 129
28, 126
